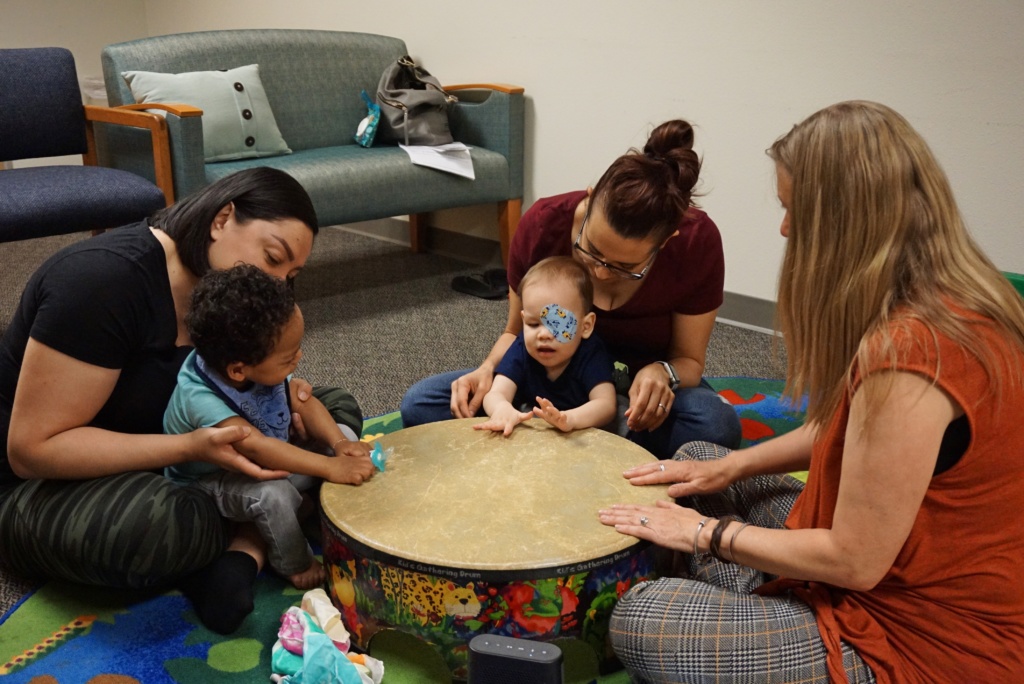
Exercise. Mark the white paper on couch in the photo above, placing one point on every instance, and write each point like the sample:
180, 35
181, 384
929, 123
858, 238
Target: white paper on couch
451, 158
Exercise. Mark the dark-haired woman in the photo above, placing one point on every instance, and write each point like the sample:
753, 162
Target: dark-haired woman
87, 366
658, 271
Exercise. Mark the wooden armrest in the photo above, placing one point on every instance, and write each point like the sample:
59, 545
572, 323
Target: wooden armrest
124, 117
500, 87
182, 110
157, 127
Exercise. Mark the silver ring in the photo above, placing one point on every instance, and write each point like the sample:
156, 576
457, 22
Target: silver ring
644, 520
661, 406
661, 467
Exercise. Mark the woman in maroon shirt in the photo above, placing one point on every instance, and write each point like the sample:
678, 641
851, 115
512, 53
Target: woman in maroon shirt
658, 273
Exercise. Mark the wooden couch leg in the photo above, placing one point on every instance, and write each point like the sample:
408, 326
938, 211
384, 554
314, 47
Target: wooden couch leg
509, 213
417, 232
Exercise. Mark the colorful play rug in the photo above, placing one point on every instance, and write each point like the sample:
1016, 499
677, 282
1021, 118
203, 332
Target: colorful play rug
68, 634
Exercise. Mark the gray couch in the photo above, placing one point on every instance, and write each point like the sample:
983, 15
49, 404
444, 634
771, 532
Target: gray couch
312, 81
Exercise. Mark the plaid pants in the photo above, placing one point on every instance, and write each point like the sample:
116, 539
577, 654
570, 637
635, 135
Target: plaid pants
708, 627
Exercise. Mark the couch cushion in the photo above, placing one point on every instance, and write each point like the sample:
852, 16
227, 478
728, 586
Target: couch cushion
238, 122
313, 78
350, 183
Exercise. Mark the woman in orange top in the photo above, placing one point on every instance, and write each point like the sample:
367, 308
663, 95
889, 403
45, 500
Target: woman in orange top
900, 560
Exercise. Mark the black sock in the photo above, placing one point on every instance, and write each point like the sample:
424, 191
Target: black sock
221, 593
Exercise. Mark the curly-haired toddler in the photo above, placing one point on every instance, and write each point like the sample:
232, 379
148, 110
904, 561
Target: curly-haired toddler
247, 331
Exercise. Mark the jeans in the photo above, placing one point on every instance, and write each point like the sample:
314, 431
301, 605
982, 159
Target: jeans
697, 414
271, 505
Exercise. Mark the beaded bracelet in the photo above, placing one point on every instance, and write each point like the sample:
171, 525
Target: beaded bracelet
716, 537
732, 541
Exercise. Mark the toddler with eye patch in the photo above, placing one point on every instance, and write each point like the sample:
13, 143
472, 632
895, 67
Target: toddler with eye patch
556, 369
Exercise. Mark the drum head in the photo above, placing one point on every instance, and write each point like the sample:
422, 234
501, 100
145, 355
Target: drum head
455, 497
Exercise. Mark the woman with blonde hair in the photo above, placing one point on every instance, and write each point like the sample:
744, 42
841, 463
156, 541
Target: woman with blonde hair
899, 560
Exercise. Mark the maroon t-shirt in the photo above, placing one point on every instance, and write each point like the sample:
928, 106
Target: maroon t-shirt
687, 277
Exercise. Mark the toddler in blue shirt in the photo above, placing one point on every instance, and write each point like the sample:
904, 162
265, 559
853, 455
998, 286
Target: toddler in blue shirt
556, 369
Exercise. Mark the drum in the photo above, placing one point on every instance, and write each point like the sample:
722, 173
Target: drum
469, 532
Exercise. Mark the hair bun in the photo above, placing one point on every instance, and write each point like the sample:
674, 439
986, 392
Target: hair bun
646, 193
672, 144
668, 137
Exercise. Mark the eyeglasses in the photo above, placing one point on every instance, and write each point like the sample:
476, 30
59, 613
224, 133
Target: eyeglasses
616, 271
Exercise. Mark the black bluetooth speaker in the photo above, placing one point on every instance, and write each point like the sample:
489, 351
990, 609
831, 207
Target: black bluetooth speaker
495, 659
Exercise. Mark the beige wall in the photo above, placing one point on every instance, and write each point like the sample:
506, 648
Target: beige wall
600, 73
82, 27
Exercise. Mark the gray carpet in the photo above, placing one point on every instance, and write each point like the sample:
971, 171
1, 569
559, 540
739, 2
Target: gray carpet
378, 318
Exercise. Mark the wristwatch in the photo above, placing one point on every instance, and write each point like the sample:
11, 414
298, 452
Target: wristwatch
673, 377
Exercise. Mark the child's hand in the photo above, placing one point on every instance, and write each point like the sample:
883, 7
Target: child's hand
504, 420
548, 412
350, 469
344, 447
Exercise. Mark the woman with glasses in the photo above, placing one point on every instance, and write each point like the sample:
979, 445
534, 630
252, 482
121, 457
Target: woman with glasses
657, 267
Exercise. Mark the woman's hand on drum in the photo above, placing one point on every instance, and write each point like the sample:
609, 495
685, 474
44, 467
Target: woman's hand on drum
468, 392
650, 399
666, 524
504, 419
215, 445
686, 477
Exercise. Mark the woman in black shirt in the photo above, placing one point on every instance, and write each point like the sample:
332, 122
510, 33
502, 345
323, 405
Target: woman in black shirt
87, 366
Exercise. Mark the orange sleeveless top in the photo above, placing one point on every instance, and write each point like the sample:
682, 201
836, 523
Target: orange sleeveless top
951, 609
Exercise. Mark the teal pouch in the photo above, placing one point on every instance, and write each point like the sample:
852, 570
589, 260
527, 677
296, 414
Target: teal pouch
367, 129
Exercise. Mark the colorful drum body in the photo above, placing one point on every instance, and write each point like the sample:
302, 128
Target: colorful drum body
468, 532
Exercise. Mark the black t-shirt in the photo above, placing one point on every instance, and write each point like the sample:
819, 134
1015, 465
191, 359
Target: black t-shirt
105, 301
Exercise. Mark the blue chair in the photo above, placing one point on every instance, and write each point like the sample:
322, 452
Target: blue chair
41, 115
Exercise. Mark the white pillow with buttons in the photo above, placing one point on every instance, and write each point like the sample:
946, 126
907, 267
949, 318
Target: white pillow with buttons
237, 120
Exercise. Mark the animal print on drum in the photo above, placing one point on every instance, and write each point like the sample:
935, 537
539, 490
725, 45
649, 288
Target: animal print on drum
428, 601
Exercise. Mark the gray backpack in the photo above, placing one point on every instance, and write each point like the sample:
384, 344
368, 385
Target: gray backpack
413, 106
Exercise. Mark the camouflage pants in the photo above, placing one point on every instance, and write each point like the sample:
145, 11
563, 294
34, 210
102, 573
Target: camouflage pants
129, 530
133, 530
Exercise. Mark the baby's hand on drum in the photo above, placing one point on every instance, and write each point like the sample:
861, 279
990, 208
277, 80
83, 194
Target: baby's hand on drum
345, 447
504, 420
547, 411
351, 469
